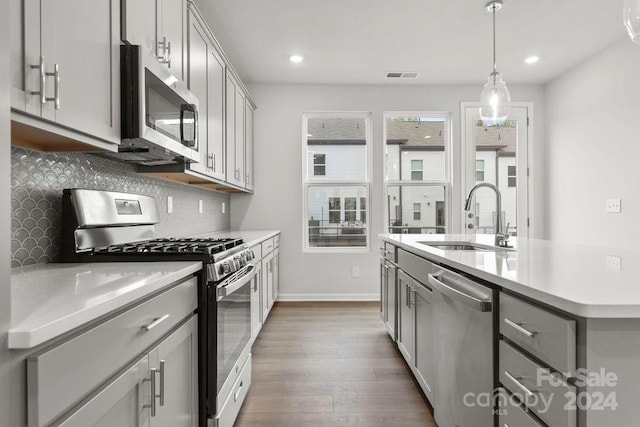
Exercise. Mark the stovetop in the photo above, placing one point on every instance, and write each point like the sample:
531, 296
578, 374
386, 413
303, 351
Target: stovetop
186, 246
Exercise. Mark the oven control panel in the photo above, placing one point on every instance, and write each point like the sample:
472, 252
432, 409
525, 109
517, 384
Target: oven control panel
231, 264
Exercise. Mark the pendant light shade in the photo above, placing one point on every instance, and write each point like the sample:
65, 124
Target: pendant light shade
631, 18
495, 100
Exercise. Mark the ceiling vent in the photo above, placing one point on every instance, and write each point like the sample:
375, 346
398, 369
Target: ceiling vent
402, 75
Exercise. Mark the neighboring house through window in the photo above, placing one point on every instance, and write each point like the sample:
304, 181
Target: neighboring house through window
416, 170
479, 170
417, 211
319, 164
334, 210
511, 176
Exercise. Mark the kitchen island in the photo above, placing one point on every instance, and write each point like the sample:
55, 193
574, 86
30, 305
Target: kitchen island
579, 331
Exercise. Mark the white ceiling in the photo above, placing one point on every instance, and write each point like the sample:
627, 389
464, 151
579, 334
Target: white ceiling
447, 41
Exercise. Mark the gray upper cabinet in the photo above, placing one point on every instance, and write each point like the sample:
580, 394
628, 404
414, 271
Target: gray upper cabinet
165, 36
65, 68
206, 75
235, 111
248, 144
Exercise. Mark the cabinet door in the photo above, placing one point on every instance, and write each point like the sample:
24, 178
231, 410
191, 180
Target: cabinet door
82, 39
405, 317
256, 316
267, 285
248, 144
25, 53
172, 28
175, 360
125, 402
424, 343
139, 24
240, 136
383, 291
198, 76
390, 300
215, 101
276, 274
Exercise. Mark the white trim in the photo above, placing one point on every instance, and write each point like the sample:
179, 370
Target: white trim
328, 297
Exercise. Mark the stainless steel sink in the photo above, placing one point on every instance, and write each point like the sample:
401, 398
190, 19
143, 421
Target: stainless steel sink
465, 246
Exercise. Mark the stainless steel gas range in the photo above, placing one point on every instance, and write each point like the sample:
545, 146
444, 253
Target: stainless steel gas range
105, 226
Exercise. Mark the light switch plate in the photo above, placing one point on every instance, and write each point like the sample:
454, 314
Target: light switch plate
169, 204
614, 263
355, 271
614, 206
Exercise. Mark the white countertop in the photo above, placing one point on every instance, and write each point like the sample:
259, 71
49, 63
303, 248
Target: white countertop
48, 300
574, 278
250, 237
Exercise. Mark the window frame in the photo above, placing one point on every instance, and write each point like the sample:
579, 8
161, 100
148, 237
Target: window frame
446, 183
308, 182
421, 170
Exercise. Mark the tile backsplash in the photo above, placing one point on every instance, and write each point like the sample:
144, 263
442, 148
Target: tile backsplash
37, 181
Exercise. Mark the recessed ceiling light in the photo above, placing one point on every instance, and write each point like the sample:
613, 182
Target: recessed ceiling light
296, 58
427, 137
532, 59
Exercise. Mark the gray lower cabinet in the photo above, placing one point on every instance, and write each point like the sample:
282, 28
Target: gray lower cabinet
388, 296
256, 302
137, 368
276, 274
267, 284
405, 317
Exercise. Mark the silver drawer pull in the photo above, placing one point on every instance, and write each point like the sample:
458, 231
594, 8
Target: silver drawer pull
152, 404
155, 323
236, 395
518, 327
161, 395
521, 386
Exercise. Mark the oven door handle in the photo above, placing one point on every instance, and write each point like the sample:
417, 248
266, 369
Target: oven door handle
227, 290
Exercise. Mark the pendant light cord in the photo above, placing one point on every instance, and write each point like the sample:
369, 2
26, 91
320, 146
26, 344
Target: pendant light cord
494, 43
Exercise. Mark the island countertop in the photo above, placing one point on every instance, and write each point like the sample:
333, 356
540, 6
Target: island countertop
587, 281
48, 300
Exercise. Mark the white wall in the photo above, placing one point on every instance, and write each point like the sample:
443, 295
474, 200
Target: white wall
277, 202
593, 149
8, 374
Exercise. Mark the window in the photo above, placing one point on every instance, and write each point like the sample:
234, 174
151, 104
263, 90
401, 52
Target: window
417, 210
335, 198
479, 170
511, 176
319, 164
416, 170
334, 210
417, 175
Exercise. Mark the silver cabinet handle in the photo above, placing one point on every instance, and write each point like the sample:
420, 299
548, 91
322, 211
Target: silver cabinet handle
412, 296
56, 86
521, 386
518, 327
210, 161
162, 45
167, 53
155, 323
152, 404
161, 395
43, 81
236, 395
246, 178
407, 296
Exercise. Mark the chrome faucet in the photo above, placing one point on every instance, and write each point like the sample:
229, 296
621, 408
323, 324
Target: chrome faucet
502, 236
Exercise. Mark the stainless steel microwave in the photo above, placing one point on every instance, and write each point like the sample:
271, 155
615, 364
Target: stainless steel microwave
159, 116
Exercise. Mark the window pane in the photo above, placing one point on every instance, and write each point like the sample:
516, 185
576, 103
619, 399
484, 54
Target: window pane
333, 216
413, 141
511, 170
416, 209
512, 182
318, 170
479, 176
416, 175
340, 144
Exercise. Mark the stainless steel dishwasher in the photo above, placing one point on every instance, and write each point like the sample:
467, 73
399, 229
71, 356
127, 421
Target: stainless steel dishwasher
464, 322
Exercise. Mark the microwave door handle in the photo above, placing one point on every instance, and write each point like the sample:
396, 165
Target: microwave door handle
191, 108
227, 290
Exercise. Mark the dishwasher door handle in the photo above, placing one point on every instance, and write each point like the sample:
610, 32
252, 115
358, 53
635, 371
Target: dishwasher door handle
473, 302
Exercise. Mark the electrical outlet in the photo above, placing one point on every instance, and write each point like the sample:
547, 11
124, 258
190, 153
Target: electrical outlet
614, 263
200, 208
614, 206
169, 204
355, 271
223, 207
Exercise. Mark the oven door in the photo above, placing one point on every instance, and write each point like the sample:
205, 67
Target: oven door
232, 331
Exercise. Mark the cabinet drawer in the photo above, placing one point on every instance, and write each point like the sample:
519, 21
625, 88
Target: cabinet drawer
388, 251
512, 415
546, 335
229, 412
276, 241
415, 266
58, 378
267, 246
531, 382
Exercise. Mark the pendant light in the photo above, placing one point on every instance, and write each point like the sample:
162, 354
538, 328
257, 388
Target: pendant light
495, 100
631, 18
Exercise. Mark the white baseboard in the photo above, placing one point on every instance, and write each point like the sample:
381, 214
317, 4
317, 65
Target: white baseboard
329, 297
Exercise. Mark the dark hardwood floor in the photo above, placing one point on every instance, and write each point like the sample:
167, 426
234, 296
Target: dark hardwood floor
330, 364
